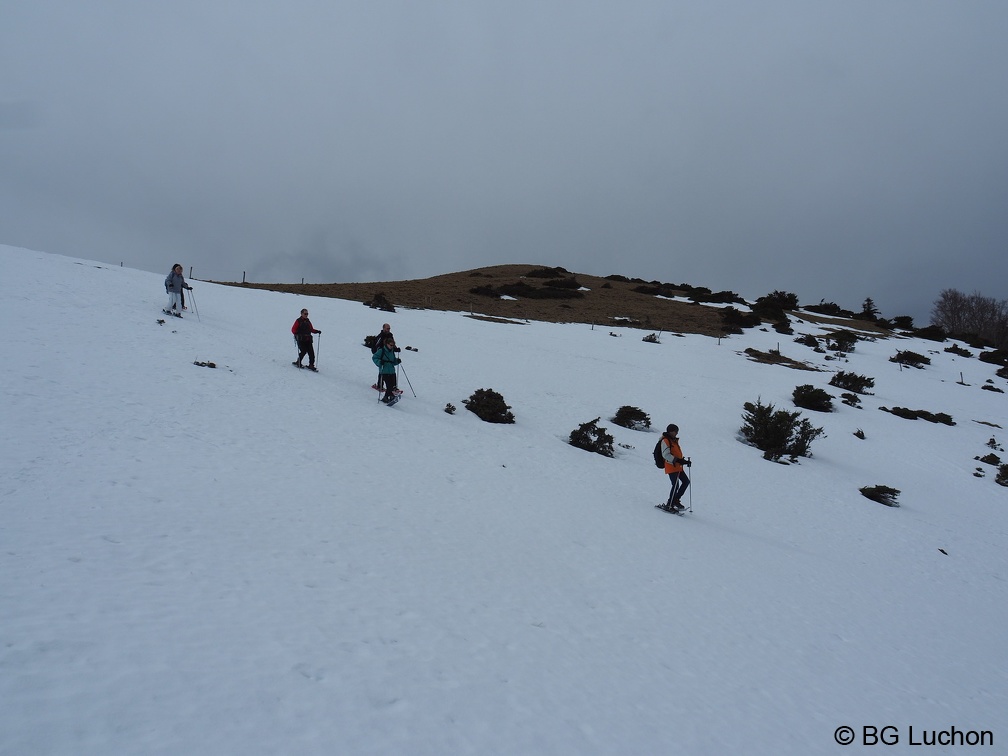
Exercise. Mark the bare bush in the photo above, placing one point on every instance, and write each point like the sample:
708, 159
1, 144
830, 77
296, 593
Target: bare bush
962, 314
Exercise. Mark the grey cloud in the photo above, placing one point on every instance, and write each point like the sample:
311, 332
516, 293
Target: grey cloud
23, 114
839, 150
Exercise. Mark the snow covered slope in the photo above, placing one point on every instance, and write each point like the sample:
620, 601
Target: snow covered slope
254, 559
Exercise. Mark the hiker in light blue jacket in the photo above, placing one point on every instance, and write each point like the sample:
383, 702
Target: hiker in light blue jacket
174, 284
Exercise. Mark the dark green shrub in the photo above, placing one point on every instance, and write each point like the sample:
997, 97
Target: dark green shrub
812, 398
772, 306
633, 418
777, 433
717, 297
903, 322
852, 382
975, 341
842, 341
909, 414
548, 273
1002, 476
881, 494
958, 351
734, 320
450, 408
489, 406
997, 357
808, 340
931, 333
590, 437
782, 300
868, 311
910, 359
829, 308
851, 400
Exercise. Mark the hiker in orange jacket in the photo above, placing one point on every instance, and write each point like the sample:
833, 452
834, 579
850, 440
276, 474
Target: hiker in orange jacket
674, 462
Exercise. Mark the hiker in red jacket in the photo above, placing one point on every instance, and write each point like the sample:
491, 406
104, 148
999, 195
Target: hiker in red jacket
303, 330
674, 462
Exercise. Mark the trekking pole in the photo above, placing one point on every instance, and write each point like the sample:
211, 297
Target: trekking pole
378, 385
691, 488
195, 308
319, 350
407, 379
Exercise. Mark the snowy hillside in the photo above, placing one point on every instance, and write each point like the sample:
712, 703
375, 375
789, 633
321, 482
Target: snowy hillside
254, 559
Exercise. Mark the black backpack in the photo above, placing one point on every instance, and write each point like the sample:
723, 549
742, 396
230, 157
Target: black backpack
659, 460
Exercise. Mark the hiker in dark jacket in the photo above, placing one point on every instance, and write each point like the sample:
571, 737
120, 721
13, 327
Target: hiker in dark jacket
303, 330
379, 340
674, 462
386, 360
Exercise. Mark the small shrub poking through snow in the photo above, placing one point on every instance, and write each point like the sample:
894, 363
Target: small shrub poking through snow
911, 359
881, 494
590, 437
632, 418
851, 400
909, 414
859, 384
1002, 476
777, 433
489, 406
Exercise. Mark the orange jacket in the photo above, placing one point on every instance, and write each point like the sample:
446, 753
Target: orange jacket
671, 450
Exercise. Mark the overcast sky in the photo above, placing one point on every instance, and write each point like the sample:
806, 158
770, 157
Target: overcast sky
838, 149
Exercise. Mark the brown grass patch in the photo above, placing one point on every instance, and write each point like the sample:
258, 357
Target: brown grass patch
606, 302
776, 358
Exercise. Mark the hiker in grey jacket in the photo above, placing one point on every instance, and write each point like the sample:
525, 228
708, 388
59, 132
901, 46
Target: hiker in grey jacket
174, 284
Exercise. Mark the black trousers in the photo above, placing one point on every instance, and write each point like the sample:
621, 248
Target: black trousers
388, 381
305, 346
